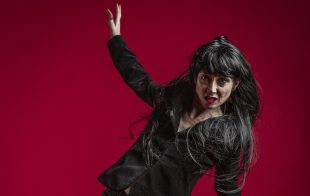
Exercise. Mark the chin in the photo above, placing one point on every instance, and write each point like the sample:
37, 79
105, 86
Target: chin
212, 107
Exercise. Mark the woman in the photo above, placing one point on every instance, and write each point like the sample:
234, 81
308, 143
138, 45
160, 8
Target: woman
201, 120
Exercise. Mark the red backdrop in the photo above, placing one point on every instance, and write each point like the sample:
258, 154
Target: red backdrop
64, 108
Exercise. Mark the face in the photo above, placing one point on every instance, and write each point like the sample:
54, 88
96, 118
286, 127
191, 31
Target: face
213, 90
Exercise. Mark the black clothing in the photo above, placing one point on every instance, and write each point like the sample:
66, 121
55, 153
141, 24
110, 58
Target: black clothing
174, 174
109, 192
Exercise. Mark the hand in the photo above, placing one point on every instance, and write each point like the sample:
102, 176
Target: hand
127, 190
114, 23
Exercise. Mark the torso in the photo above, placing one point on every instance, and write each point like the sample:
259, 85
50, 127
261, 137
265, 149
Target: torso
186, 121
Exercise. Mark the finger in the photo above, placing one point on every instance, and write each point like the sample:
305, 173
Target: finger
110, 17
118, 12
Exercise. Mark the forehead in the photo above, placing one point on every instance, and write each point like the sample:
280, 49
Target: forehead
212, 74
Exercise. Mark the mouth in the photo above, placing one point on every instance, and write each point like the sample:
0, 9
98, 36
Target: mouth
210, 99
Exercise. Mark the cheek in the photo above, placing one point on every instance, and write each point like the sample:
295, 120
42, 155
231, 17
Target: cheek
199, 90
225, 93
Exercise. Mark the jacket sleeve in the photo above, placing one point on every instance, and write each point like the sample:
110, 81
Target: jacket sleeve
224, 182
132, 71
207, 146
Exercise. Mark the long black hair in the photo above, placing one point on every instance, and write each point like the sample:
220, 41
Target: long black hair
228, 137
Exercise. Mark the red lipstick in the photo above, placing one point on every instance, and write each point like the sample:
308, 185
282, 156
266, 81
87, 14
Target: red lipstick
211, 100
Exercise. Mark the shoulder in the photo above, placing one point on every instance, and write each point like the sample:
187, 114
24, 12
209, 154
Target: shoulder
219, 134
217, 125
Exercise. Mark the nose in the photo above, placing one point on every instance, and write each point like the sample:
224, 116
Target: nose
212, 87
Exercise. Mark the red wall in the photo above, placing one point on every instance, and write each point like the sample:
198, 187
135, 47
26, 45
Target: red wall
65, 110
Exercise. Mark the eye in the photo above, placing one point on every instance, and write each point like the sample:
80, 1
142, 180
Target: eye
222, 81
204, 77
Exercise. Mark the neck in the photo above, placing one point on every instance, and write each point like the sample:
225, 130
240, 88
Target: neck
202, 113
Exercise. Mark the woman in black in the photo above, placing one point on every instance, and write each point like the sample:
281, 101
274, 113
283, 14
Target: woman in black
201, 120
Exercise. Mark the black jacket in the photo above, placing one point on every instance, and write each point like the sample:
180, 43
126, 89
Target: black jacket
174, 174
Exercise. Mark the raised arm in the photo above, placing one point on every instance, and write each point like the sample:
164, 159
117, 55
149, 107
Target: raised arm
132, 71
127, 63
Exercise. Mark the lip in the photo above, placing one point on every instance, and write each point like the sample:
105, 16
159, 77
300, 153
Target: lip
211, 99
